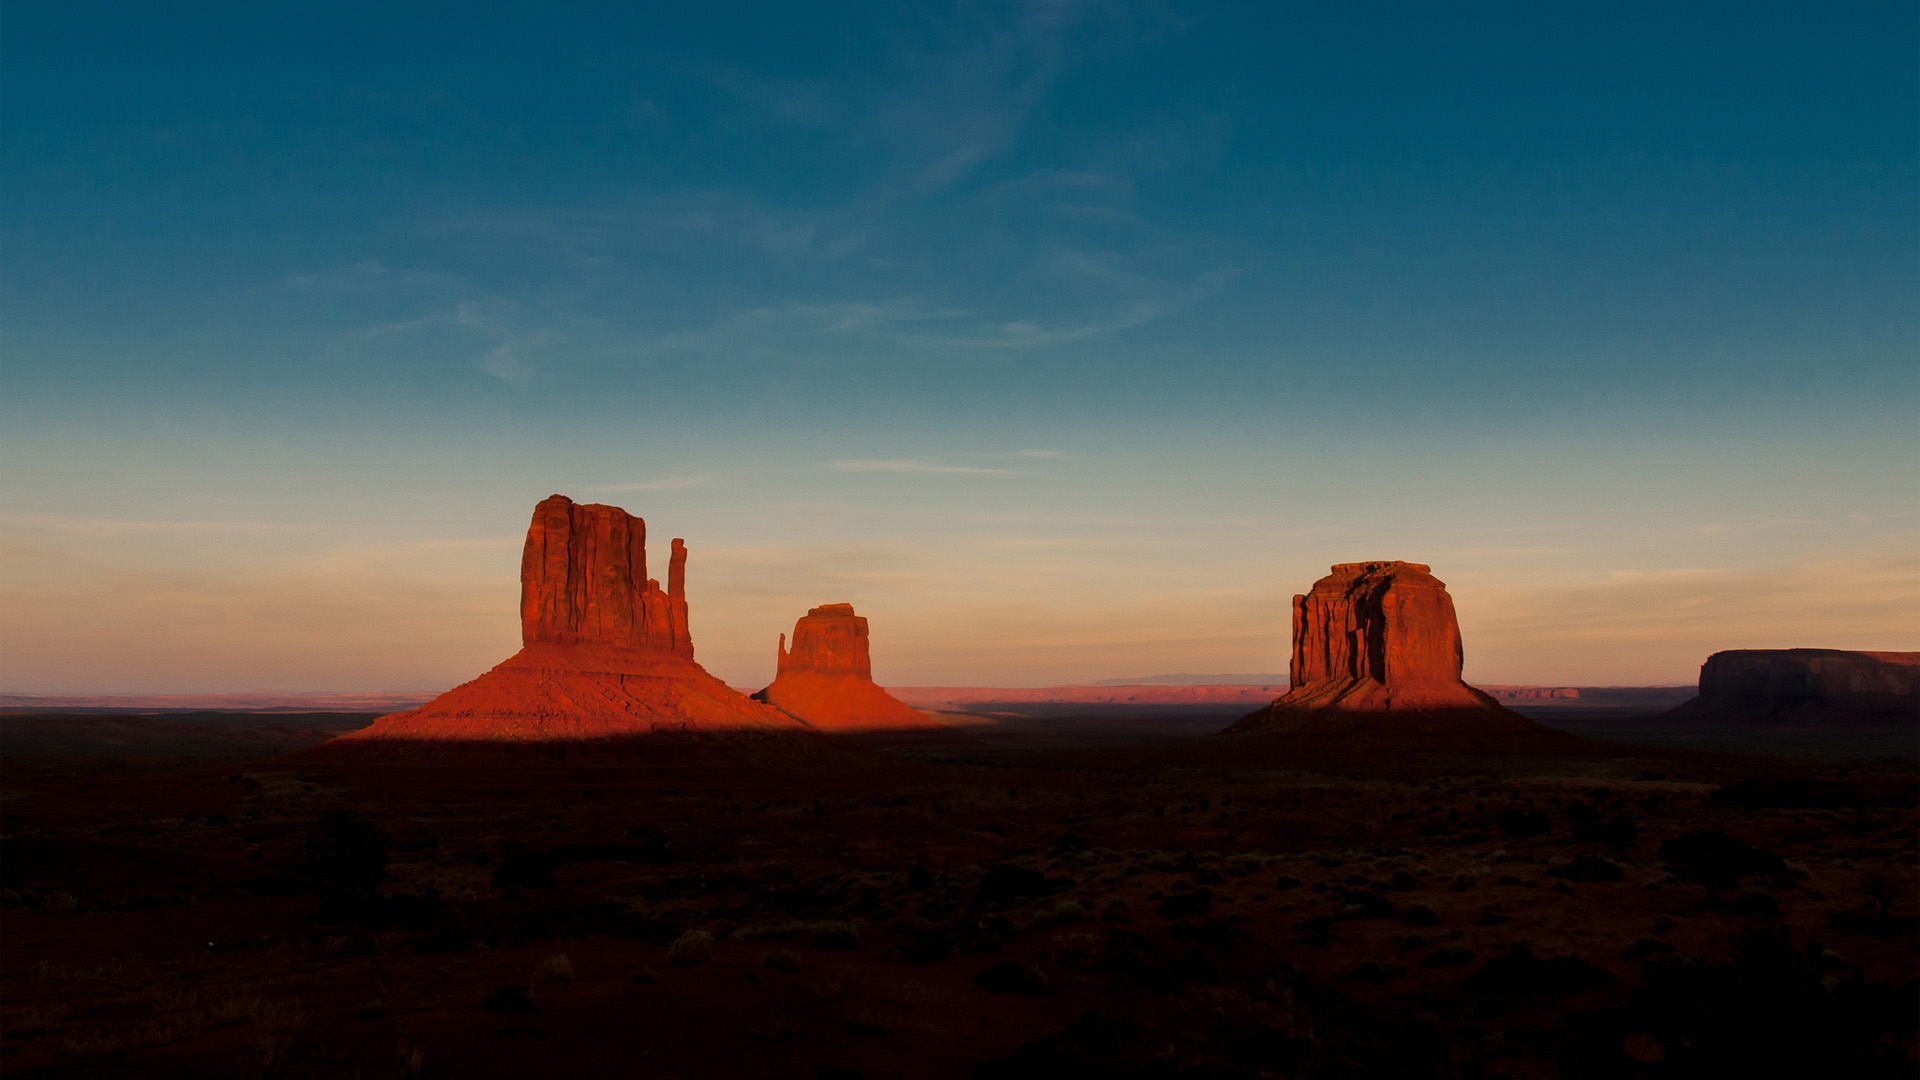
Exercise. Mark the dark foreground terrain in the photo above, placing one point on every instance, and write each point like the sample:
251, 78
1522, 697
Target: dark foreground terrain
1018, 901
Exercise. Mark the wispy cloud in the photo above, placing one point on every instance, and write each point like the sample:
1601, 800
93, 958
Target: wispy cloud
665, 483
908, 465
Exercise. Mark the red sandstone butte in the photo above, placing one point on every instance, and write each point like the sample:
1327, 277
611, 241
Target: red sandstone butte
1379, 641
827, 678
605, 651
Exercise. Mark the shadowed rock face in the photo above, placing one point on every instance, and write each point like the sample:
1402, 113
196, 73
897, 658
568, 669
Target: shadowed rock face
1377, 638
827, 677
1807, 685
605, 651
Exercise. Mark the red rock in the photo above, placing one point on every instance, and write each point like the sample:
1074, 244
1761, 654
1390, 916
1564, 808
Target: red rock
1378, 640
605, 653
583, 580
1793, 686
827, 678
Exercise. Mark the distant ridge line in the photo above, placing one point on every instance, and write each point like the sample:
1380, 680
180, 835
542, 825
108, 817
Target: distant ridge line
1257, 679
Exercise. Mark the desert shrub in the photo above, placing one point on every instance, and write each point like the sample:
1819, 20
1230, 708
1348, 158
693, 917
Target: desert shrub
1375, 972
1520, 824
511, 999
1062, 914
39, 1019
1770, 1012
1115, 912
556, 968
1757, 902
346, 854
92, 1041
1360, 904
1619, 831
1009, 884
1789, 795
1719, 861
1187, 905
833, 934
1010, 977
781, 960
1457, 954
1522, 974
782, 930
690, 948
1463, 881
1420, 915
1884, 889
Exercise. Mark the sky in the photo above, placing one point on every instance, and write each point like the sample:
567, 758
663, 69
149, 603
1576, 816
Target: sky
1065, 340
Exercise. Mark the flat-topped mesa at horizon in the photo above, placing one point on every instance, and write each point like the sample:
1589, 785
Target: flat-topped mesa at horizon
1807, 686
605, 651
1378, 639
826, 679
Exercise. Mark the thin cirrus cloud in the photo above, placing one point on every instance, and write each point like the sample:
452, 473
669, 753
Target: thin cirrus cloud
665, 483
909, 465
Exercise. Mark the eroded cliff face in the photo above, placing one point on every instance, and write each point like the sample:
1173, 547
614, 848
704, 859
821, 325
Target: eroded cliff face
1378, 639
605, 651
1807, 686
1389, 622
826, 679
583, 581
830, 640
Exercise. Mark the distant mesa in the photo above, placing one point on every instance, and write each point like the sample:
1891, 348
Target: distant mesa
606, 653
1376, 646
1185, 679
1806, 686
826, 679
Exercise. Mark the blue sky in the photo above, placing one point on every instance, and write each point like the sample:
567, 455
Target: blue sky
1065, 340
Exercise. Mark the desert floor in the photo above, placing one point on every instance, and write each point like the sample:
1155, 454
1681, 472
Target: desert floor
1046, 893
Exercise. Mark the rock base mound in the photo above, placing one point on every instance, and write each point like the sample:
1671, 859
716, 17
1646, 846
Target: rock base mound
545, 693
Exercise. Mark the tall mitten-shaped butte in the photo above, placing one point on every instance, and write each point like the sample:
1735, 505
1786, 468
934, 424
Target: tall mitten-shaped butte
605, 652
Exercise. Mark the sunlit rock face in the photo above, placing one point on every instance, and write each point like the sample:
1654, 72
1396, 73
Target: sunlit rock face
826, 679
1807, 686
606, 652
583, 581
1377, 639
